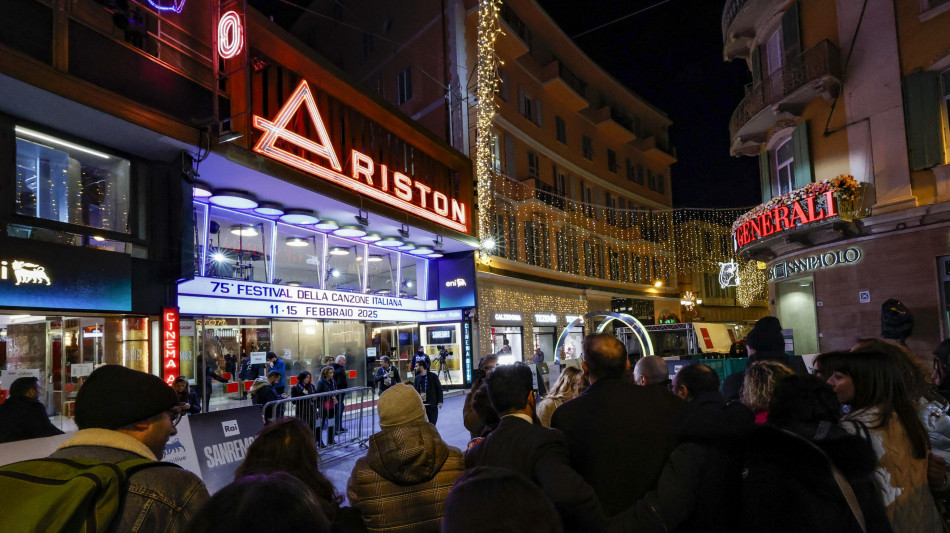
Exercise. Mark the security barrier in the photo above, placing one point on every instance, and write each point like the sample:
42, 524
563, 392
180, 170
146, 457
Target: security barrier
338, 418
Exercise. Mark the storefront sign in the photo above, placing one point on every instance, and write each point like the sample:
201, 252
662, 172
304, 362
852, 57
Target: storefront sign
199, 305
545, 319
230, 35
171, 358
41, 275
832, 258
785, 217
467, 350
365, 176
571, 318
507, 317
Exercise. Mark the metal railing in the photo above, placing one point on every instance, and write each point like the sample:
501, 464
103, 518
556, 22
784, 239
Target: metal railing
338, 418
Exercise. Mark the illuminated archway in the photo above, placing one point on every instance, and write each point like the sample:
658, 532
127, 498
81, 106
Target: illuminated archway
639, 331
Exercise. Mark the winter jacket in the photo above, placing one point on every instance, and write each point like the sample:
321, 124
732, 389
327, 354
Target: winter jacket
279, 366
732, 385
382, 373
546, 407
401, 483
24, 418
900, 477
159, 499
262, 393
339, 377
190, 397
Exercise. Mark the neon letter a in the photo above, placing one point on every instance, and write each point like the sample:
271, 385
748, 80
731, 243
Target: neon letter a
278, 129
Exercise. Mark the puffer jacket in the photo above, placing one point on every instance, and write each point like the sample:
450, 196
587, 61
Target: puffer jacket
159, 499
401, 483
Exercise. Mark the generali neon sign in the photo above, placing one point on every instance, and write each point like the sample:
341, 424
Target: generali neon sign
365, 176
785, 217
171, 332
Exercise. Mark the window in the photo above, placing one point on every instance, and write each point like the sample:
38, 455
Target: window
614, 264
600, 261
404, 85
369, 45
560, 129
560, 183
568, 259
622, 213
62, 181
537, 252
725, 245
651, 180
590, 268
501, 242
612, 161
624, 266
611, 207
634, 268
529, 108
639, 174
495, 151
661, 183
505, 85
588, 200
631, 171
773, 53
587, 147
784, 173
708, 242
534, 164
712, 289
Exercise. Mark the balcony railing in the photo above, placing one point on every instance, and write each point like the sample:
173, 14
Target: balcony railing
819, 61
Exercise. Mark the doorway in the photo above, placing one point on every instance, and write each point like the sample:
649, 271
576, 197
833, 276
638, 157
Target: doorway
795, 306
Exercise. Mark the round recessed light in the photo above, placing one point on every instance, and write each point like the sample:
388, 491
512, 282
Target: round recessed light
422, 250
299, 216
350, 230
327, 225
370, 237
297, 241
293, 283
244, 230
406, 247
434, 255
201, 190
375, 258
339, 250
389, 242
270, 209
98, 238
233, 198
384, 291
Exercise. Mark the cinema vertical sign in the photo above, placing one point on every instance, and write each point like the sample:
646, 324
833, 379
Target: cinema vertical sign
363, 176
171, 345
770, 219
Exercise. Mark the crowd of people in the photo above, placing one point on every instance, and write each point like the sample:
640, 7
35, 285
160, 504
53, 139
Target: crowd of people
858, 445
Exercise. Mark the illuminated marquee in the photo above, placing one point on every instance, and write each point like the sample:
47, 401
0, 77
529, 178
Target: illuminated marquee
785, 217
230, 35
393, 188
171, 361
25, 273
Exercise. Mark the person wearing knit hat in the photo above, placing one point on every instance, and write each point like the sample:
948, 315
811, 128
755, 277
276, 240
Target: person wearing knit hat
765, 342
125, 414
401, 483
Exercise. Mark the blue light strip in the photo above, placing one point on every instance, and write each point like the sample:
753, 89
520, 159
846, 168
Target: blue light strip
176, 7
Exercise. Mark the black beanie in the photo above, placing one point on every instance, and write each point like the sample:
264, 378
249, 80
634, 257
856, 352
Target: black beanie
114, 396
766, 336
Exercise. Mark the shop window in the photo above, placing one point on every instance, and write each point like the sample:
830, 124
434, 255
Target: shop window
237, 245
299, 260
413, 272
65, 182
382, 267
344, 265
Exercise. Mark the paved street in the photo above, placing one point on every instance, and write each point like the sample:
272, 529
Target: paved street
338, 464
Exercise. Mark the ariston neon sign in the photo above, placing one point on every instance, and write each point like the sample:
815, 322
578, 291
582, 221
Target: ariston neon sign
390, 187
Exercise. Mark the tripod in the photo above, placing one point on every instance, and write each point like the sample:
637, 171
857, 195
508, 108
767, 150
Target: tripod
444, 368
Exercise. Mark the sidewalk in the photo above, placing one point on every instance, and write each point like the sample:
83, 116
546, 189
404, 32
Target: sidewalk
338, 464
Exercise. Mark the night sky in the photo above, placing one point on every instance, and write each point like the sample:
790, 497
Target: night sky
671, 55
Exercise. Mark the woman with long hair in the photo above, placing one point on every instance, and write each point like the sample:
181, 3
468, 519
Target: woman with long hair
326, 384
287, 446
568, 386
883, 412
307, 410
758, 385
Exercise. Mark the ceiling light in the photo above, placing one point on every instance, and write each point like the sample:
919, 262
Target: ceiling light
244, 230
422, 250
406, 247
327, 225
389, 242
375, 258
384, 291
271, 209
43, 137
293, 283
98, 238
435, 255
297, 241
201, 190
350, 230
233, 198
339, 250
370, 237
299, 216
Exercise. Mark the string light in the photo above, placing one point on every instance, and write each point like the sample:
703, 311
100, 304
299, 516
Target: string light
527, 302
487, 85
752, 285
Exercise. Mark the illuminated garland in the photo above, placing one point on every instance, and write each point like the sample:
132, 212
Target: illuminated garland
487, 85
527, 302
753, 284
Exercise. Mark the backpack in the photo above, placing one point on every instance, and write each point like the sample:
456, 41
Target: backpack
52, 494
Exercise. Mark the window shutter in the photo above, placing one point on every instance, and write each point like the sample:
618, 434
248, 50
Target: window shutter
801, 165
791, 40
537, 113
510, 167
756, 66
765, 176
925, 119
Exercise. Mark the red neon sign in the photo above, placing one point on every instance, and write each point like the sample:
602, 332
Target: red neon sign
230, 35
393, 188
785, 217
171, 360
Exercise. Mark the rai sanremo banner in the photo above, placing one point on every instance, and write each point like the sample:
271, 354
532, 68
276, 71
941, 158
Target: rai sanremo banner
212, 445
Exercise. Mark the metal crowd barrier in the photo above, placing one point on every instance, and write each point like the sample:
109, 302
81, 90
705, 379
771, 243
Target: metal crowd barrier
332, 426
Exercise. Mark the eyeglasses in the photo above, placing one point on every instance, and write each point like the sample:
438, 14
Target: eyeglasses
174, 416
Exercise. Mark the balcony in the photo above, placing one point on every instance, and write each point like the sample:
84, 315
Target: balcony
784, 94
656, 149
739, 20
564, 85
515, 38
613, 124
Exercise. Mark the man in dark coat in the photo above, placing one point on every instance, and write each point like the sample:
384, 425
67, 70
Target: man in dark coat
386, 375
538, 453
764, 342
420, 358
619, 435
429, 387
263, 392
22, 416
341, 382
